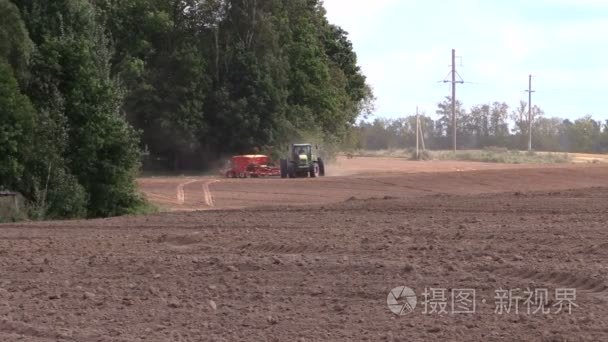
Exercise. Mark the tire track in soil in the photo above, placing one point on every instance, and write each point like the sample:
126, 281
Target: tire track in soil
272, 191
208, 197
159, 197
596, 287
594, 249
27, 330
181, 195
408, 187
285, 249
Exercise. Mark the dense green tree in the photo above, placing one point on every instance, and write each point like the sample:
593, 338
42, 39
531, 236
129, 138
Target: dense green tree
444, 123
521, 118
15, 43
30, 163
159, 60
604, 138
16, 130
479, 124
546, 135
248, 101
90, 146
17, 116
584, 135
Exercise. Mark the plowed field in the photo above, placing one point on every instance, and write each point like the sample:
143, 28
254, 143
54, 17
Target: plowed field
315, 260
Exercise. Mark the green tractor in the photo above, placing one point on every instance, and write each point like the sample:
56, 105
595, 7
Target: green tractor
302, 162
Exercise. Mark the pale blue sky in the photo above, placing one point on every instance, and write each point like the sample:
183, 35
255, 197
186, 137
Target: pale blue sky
404, 48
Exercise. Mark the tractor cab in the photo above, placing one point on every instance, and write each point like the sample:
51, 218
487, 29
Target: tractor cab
302, 153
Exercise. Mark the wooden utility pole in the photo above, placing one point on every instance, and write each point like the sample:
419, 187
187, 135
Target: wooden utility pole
421, 136
454, 97
530, 91
417, 135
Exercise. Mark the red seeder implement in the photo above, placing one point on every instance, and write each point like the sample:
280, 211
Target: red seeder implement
250, 166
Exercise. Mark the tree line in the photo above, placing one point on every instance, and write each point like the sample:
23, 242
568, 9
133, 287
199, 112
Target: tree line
91, 88
483, 126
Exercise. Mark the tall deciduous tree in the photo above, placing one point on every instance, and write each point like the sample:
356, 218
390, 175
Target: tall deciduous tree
17, 123
91, 145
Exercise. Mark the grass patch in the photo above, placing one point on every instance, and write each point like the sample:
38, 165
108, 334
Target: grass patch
392, 153
13, 217
9, 213
503, 157
490, 155
144, 207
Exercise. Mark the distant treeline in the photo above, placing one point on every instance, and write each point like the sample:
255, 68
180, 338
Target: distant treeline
86, 86
483, 126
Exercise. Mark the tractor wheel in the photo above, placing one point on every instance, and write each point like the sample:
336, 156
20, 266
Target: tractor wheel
292, 171
314, 170
321, 167
284, 168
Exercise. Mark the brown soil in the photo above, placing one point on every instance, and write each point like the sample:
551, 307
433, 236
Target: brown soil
369, 177
320, 265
